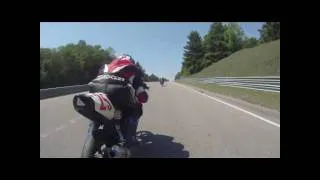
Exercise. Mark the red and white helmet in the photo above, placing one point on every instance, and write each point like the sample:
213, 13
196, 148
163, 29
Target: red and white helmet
126, 57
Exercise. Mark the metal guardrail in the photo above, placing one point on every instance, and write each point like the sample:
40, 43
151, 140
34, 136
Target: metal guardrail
261, 83
60, 91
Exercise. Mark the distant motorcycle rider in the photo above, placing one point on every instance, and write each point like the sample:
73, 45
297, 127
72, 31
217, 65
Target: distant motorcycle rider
162, 81
117, 80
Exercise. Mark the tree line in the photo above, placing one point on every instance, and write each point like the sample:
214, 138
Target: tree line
148, 78
220, 42
75, 64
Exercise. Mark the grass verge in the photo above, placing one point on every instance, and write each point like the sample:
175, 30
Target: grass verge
262, 60
266, 99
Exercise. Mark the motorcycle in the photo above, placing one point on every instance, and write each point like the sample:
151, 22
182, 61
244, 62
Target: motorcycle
162, 82
110, 127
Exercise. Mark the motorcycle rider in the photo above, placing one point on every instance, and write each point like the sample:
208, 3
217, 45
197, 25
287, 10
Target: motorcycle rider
162, 81
122, 75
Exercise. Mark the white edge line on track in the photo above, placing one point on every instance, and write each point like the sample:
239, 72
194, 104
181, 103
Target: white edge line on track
230, 105
60, 128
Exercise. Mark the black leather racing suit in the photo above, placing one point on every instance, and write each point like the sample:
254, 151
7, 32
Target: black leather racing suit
120, 95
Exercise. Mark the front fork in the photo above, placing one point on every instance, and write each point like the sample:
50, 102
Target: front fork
122, 147
127, 131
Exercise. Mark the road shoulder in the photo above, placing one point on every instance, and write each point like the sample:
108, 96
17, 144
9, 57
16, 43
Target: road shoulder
270, 114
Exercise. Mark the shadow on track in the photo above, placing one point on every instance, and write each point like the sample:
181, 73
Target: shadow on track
158, 146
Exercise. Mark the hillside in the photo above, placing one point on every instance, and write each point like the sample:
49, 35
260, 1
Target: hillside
262, 60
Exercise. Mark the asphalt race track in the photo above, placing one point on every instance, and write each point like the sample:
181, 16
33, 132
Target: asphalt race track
178, 122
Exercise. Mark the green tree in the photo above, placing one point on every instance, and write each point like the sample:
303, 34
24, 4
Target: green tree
269, 31
250, 42
140, 67
153, 78
145, 75
177, 76
146, 78
193, 53
111, 52
220, 42
42, 72
234, 37
208, 59
214, 44
73, 64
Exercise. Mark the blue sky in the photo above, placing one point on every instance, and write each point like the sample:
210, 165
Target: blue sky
157, 46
